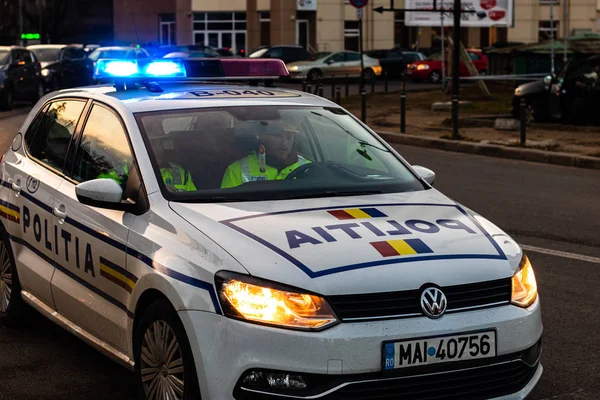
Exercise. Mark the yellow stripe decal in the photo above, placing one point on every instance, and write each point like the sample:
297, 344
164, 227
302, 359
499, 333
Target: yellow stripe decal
357, 213
402, 247
10, 212
117, 275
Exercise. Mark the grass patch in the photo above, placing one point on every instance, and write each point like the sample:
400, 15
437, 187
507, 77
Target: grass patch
448, 136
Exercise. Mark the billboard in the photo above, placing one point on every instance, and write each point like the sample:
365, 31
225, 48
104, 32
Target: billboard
486, 13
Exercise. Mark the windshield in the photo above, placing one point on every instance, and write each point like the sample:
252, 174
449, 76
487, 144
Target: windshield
258, 53
4, 56
267, 153
435, 56
46, 54
97, 54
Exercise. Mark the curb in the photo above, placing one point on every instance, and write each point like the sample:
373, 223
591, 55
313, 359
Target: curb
491, 150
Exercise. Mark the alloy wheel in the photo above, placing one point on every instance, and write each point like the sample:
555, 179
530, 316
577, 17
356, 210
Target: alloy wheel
161, 365
5, 278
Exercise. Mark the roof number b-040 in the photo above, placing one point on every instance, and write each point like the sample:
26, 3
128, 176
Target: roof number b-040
205, 93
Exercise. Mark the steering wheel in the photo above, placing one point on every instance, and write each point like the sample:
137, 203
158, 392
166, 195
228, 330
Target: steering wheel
305, 170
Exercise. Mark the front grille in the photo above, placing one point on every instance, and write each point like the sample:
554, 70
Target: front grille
407, 303
481, 383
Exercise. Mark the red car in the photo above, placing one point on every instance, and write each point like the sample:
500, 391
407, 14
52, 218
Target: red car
431, 68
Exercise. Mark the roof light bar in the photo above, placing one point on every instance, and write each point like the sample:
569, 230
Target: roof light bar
139, 69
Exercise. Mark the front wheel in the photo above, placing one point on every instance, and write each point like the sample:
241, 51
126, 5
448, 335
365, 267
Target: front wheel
11, 302
314, 75
435, 76
163, 356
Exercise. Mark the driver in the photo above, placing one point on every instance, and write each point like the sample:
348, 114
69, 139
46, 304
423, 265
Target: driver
274, 159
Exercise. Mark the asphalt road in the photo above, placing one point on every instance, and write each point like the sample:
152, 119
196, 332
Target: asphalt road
553, 211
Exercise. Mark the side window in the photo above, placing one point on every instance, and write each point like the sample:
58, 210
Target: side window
276, 52
353, 56
50, 141
337, 57
474, 56
68, 54
78, 53
104, 150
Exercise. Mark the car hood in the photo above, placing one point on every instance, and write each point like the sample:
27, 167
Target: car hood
46, 64
531, 88
361, 244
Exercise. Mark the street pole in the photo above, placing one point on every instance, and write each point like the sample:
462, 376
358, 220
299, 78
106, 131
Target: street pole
363, 92
552, 54
456, 69
21, 21
443, 49
565, 30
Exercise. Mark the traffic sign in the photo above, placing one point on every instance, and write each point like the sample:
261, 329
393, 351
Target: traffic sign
359, 3
359, 13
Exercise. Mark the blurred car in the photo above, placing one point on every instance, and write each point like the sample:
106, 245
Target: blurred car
431, 68
163, 51
288, 54
225, 52
337, 65
394, 61
20, 76
63, 66
89, 48
193, 54
118, 52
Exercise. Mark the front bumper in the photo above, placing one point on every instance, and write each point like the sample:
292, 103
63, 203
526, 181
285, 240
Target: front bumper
225, 349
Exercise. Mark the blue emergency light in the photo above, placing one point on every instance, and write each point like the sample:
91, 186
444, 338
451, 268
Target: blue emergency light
139, 69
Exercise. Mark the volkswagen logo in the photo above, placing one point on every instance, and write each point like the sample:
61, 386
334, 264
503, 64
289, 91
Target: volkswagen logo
433, 302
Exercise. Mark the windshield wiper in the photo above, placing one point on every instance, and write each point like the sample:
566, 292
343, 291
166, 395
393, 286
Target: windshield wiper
334, 193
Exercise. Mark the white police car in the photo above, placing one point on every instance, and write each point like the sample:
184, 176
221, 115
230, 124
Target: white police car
256, 243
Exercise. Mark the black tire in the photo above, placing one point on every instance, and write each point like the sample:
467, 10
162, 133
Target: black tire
11, 303
435, 76
314, 75
7, 100
161, 316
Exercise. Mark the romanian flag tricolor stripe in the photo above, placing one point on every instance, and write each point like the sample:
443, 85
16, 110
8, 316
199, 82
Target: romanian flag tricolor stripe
117, 275
392, 248
357, 213
10, 212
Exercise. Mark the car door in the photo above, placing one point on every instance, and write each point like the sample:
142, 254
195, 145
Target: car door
91, 284
30, 74
18, 74
34, 173
352, 64
333, 65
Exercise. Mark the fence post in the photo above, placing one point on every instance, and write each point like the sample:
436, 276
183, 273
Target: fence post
332, 88
338, 95
303, 85
309, 88
386, 77
373, 84
363, 104
523, 117
347, 86
403, 108
320, 91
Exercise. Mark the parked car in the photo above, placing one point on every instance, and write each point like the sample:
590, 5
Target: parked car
556, 97
225, 52
63, 66
340, 64
20, 76
163, 51
431, 68
394, 61
118, 52
288, 54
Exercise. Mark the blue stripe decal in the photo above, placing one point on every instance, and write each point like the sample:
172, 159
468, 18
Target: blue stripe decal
71, 275
178, 276
123, 247
315, 274
10, 206
119, 269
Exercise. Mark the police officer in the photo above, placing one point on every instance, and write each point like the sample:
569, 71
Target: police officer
175, 176
274, 159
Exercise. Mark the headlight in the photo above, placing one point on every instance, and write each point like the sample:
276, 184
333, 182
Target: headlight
294, 68
517, 92
45, 72
254, 300
422, 67
524, 286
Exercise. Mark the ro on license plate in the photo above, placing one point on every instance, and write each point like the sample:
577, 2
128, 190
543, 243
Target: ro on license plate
412, 353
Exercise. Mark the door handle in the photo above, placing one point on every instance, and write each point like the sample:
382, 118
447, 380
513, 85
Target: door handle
16, 186
60, 213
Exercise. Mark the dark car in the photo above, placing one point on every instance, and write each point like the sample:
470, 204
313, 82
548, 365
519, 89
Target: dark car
184, 51
394, 61
63, 66
225, 52
561, 97
118, 52
287, 54
20, 76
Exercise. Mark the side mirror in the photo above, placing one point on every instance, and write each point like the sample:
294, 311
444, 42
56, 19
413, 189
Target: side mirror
103, 192
548, 79
425, 173
329, 62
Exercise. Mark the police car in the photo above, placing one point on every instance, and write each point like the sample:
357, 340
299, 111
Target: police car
246, 242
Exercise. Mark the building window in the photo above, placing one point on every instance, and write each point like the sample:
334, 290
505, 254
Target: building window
265, 28
167, 29
548, 30
221, 29
351, 35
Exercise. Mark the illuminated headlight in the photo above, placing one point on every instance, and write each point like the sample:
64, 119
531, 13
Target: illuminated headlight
517, 92
294, 68
258, 301
423, 67
524, 286
45, 72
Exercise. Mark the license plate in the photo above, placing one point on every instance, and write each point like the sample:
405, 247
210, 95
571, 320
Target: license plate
441, 349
